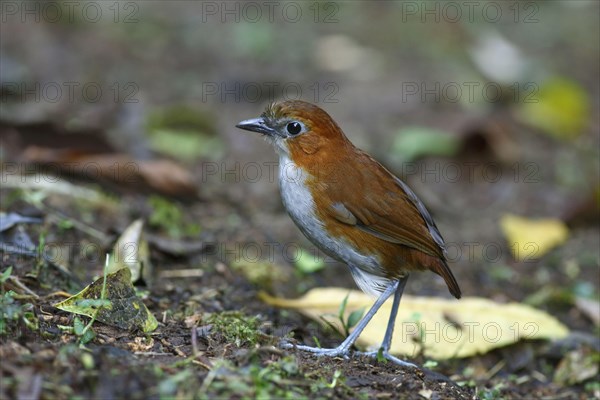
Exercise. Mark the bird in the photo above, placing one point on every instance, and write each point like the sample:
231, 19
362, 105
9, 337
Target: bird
353, 209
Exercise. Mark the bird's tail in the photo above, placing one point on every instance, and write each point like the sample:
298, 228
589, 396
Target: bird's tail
442, 269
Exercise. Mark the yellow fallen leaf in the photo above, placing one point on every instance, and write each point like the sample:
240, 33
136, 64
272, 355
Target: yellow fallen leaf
441, 328
531, 239
560, 108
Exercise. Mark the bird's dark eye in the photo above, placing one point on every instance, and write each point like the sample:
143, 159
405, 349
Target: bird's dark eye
294, 128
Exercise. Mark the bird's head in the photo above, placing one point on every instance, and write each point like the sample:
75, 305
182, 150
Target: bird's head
297, 128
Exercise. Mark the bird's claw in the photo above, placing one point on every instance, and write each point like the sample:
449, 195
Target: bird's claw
386, 355
335, 352
345, 353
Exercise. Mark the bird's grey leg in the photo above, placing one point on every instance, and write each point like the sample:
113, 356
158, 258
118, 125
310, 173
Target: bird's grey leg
389, 332
344, 348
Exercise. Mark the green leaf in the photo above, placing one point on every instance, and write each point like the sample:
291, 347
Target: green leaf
309, 263
416, 141
342, 308
380, 357
88, 336
185, 133
354, 317
6, 274
186, 145
329, 324
78, 326
317, 342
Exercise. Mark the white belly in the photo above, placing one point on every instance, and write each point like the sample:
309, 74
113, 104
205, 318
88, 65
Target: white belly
300, 205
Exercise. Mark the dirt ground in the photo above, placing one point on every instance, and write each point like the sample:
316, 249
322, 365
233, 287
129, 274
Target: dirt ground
77, 173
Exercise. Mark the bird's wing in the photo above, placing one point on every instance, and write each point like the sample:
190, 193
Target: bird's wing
387, 208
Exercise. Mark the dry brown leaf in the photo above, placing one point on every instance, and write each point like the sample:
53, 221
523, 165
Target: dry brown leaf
590, 308
131, 251
168, 177
164, 176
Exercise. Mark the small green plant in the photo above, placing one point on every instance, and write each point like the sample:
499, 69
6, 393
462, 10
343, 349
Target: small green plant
380, 357
317, 341
41, 248
268, 380
493, 393
85, 332
65, 224
592, 388
336, 377
349, 323
11, 310
5, 275
168, 216
275, 380
325, 384
172, 385
236, 327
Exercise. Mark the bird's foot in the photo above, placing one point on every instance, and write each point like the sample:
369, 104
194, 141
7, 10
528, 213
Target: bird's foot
381, 354
340, 351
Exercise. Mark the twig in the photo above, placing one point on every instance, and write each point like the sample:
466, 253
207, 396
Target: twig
15, 281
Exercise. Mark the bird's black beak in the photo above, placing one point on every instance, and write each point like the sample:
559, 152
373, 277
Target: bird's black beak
257, 125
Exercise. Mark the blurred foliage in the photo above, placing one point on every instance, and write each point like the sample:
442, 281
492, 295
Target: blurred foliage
561, 108
308, 262
413, 142
168, 216
185, 133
